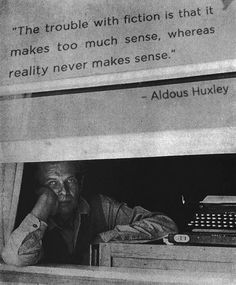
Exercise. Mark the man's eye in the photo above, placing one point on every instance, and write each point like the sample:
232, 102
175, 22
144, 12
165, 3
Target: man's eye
52, 183
72, 180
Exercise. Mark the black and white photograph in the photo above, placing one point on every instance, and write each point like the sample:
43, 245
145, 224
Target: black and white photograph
117, 142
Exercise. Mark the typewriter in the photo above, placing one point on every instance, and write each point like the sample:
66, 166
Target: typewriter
213, 223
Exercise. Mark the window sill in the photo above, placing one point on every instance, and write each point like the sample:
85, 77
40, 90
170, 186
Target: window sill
56, 274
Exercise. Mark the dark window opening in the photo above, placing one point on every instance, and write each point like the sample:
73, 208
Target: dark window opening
157, 184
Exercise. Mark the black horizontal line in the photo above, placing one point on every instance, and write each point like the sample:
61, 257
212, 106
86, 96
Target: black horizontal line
133, 85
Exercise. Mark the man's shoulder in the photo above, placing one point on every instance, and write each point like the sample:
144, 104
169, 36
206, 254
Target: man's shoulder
101, 200
97, 198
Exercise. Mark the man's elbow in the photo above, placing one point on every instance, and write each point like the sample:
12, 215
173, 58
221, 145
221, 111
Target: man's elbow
15, 259
164, 225
174, 228
171, 227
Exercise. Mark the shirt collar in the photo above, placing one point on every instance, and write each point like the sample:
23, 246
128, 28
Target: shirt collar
83, 208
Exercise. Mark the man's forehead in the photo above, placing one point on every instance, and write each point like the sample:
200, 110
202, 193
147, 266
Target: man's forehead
56, 168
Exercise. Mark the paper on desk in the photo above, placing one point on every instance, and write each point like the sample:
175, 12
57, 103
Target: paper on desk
212, 199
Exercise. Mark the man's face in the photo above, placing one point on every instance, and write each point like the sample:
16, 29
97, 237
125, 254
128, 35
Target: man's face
60, 178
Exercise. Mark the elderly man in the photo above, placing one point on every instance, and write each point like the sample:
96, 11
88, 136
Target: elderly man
62, 223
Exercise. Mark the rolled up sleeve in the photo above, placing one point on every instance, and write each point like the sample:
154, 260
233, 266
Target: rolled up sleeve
24, 246
135, 224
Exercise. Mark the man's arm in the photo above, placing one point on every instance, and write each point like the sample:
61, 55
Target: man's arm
24, 246
137, 224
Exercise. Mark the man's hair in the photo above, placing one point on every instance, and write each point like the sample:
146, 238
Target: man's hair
79, 166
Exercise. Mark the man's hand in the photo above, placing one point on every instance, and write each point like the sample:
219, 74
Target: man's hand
46, 205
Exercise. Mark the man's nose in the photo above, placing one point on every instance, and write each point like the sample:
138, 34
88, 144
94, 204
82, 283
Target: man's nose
64, 189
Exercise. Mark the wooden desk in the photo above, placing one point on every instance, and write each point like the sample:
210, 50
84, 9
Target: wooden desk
164, 257
135, 264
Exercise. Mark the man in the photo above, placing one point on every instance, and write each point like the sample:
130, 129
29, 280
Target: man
62, 223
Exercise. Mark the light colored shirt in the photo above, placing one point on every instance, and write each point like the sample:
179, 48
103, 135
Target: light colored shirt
105, 220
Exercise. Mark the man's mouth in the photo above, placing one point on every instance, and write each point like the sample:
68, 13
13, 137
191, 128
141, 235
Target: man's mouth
65, 200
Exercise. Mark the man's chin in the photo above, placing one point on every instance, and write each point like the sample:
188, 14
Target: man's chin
65, 207
65, 202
